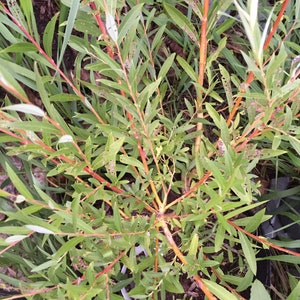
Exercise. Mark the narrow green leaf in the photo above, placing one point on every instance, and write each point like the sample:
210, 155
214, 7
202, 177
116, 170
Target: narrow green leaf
187, 68
158, 37
18, 183
248, 252
173, 285
147, 92
64, 98
219, 291
75, 205
283, 258
194, 245
129, 21
131, 161
16, 12
50, 109
15, 230
20, 47
48, 35
166, 66
219, 238
181, 21
81, 225
117, 218
110, 152
213, 114
67, 246
227, 85
68, 31
255, 221
43, 266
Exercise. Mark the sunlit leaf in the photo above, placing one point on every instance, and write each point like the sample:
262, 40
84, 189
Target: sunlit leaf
39, 229
65, 139
111, 27
15, 238
27, 109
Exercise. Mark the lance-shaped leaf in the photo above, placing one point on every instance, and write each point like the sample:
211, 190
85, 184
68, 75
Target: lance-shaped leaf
27, 109
111, 27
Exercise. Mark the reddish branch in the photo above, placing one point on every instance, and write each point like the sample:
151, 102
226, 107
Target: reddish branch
262, 240
202, 64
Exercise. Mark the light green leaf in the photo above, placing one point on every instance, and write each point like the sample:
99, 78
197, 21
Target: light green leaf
213, 114
173, 285
194, 245
81, 225
70, 24
67, 246
131, 161
219, 291
187, 68
147, 92
14, 230
219, 238
48, 35
248, 252
294, 295
117, 218
20, 47
295, 143
166, 66
258, 291
284, 258
110, 152
130, 20
181, 21
44, 266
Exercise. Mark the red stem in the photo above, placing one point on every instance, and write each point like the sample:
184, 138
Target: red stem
262, 240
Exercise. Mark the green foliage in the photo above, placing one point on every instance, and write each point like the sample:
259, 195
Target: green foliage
105, 194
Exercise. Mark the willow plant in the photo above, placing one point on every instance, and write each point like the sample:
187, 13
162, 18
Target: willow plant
137, 172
